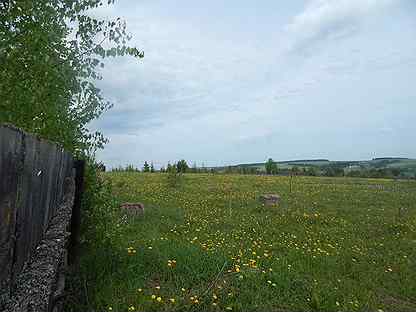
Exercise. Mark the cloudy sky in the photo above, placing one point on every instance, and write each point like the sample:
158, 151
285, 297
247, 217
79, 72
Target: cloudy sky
226, 82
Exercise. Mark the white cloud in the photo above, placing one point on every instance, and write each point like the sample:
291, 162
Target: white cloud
221, 95
332, 19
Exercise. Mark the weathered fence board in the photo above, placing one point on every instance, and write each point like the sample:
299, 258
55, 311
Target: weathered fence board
10, 153
32, 175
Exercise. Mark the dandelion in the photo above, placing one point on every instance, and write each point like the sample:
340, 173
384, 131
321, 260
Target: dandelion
153, 297
171, 263
131, 251
172, 300
159, 299
132, 308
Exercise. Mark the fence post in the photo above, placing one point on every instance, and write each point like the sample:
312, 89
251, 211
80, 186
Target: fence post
79, 166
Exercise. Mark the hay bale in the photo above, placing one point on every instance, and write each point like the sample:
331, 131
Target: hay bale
133, 209
270, 200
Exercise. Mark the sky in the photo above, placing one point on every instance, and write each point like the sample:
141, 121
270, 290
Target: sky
228, 82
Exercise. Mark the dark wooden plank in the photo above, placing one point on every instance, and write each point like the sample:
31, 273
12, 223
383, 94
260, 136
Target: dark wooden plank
10, 161
49, 163
24, 216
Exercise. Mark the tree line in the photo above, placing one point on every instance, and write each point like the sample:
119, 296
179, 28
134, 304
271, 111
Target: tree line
180, 166
271, 168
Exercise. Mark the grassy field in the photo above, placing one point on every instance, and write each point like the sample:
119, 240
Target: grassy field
333, 244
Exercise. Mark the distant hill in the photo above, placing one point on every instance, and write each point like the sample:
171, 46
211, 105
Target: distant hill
292, 162
391, 158
305, 161
405, 165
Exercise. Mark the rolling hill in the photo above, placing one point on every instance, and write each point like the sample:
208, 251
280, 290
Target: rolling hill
406, 166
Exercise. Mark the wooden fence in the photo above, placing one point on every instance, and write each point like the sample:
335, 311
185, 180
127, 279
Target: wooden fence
33, 173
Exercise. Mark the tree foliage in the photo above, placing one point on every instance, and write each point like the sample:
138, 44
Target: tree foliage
271, 166
182, 166
50, 55
146, 167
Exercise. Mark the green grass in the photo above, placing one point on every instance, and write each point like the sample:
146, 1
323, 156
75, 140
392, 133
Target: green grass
334, 244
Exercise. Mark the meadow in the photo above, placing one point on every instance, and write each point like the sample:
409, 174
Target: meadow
207, 244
